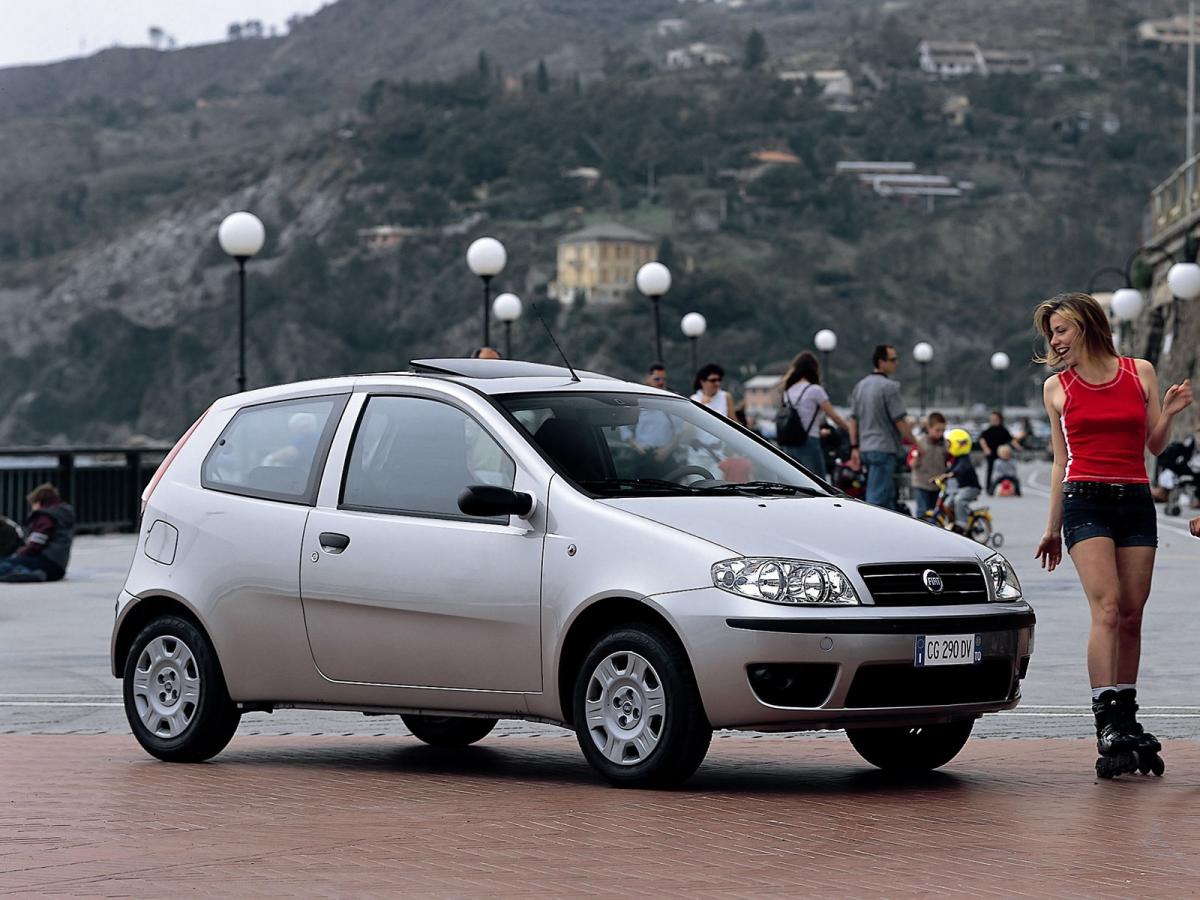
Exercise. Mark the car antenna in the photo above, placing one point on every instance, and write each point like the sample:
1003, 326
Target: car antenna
537, 312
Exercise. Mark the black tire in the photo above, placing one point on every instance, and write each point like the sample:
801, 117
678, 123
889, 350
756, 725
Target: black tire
911, 750
211, 718
681, 734
448, 731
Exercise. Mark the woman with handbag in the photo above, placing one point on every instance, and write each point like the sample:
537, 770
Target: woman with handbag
805, 405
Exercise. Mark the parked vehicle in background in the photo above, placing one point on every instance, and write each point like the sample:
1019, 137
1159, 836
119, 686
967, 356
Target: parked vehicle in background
472, 541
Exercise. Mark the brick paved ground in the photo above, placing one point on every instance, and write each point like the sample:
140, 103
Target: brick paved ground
93, 815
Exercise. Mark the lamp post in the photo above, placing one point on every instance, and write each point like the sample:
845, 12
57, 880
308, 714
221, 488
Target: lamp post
693, 326
241, 235
923, 353
486, 258
825, 341
507, 308
654, 280
1000, 363
1126, 305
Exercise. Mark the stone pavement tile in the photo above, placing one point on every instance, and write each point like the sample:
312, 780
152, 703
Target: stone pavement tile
515, 816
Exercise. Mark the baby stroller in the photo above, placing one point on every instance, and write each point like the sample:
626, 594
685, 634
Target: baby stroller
1180, 461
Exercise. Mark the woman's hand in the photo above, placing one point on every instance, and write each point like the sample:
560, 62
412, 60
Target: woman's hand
1178, 398
1049, 551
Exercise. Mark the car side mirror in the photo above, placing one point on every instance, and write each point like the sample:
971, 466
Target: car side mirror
489, 500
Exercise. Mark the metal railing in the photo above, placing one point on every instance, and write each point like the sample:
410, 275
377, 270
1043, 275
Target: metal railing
1175, 202
103, 484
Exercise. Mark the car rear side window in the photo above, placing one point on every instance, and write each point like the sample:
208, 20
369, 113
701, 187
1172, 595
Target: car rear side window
274, 450
414, 455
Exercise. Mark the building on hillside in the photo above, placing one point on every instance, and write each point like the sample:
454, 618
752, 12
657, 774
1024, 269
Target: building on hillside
600, 263
697, 54
875, 167
1166, 32
955, 110
836, 85
1009, 62
900, 179
669, 27
950, 59
761, 398
384, 237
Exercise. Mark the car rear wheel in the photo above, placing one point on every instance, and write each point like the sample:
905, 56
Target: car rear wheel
448, 731
920, 748
637, 710
175, 696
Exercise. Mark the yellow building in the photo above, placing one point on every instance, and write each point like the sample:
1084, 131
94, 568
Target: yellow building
600, 263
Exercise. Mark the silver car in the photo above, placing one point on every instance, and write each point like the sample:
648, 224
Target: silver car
479, 540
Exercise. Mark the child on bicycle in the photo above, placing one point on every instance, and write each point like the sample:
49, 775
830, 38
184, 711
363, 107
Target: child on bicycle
964, 480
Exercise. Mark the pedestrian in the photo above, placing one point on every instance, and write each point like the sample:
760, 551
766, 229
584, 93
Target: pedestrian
995, 436
707, 390
49, 531
802, 390
485, 353
964, 483
878, 427
656, 436
1104, 414
930, 463
1005, 470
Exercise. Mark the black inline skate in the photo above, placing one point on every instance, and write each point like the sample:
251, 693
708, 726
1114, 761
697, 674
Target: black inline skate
1147, 745
1116, 748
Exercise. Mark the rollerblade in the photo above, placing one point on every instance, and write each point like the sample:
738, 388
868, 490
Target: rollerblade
1116, 748
1147, 745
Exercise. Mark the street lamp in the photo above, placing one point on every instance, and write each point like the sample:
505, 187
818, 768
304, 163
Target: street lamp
825, 341
486, 258
1000, 363
654, 280
1126, 305
1184, 280
693, 326
241, 235
507, 308
923, 353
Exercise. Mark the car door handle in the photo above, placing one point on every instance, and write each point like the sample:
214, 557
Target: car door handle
332, 542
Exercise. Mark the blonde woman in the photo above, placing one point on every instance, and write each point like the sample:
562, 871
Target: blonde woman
1104, 415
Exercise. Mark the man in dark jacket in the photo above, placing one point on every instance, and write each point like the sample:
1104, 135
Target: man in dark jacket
47, 548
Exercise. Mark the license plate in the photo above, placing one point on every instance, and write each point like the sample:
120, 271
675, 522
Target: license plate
948, 650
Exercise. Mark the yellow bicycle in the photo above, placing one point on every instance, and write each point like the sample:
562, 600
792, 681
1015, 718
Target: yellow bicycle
978, 526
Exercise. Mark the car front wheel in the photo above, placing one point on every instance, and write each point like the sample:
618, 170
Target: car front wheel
175, 696
448, 731
911, 750
637, 710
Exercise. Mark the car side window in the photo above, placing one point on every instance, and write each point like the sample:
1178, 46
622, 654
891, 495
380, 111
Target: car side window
415, 455
274, 450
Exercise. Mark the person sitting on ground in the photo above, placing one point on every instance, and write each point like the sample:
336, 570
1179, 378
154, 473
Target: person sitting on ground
964, 481
47, 548
1005, 467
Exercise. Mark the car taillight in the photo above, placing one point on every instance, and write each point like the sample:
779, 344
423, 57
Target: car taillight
167, 460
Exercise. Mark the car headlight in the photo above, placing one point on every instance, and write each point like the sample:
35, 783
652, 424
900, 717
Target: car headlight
790, 581
1005, 585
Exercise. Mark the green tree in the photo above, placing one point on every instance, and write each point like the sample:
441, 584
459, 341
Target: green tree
755, 51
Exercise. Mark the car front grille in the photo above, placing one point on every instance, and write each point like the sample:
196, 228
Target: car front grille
902, 684
903, 584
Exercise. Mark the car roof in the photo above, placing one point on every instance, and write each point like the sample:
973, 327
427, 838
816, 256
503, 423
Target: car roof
487, 376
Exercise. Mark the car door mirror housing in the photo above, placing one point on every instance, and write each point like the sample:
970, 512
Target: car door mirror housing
489, 500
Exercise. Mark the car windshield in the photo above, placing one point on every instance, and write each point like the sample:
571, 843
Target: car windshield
620, 445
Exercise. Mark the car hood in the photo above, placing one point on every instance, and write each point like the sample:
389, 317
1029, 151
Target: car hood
839, 530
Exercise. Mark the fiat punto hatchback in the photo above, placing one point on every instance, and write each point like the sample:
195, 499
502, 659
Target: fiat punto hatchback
479, 540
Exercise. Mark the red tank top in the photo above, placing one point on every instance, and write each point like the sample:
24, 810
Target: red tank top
1105, 427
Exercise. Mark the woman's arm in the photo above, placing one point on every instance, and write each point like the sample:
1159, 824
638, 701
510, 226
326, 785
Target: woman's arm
1159, 419
832, 415
1049, 549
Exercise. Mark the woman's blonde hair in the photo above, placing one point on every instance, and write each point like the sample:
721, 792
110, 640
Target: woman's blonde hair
1082, 311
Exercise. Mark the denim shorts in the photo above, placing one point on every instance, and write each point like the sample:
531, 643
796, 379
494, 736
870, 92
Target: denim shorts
1130, 520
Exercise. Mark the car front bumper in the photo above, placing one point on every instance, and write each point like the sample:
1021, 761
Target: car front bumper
775, 668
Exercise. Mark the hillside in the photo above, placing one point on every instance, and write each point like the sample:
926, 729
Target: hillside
119, 304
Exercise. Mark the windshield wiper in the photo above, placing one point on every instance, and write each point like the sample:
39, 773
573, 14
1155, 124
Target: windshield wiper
776, 487
648, 484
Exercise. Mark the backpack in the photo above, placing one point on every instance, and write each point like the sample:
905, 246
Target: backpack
789, 429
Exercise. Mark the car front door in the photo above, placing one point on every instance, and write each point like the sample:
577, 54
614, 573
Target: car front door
401, 588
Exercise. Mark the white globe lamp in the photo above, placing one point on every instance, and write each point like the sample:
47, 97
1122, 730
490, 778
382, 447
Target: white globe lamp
486, 257
693, 325
825, 340
241, 235
923, 353
507, 308
1126, 304
1184, 280
654, 279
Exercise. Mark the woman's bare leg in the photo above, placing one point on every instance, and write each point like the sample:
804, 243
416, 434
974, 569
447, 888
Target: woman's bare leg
1096, 562
1135, 566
